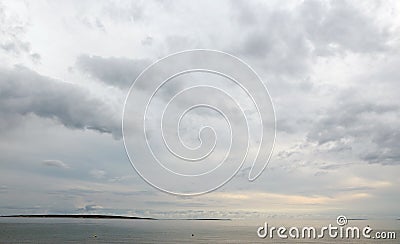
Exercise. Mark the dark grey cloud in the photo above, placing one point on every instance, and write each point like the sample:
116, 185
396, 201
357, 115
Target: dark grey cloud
120, 72
55, 163
340, 25
23, 92
287, 41
338, 121
387, 141
366, 128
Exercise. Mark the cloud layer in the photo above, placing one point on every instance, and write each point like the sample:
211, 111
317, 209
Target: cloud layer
331, 68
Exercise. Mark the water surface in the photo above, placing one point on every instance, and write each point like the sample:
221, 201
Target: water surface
60, 230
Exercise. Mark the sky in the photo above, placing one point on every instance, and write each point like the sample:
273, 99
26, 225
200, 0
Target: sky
329, 66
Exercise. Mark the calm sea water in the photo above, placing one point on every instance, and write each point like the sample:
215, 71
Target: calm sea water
25, 230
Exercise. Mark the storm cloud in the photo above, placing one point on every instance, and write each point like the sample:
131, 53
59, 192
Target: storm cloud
119, 72
23, 92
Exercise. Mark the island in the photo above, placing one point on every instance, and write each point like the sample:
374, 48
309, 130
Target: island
100, 216
76, 216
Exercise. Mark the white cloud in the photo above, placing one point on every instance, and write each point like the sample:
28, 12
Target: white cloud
97, 173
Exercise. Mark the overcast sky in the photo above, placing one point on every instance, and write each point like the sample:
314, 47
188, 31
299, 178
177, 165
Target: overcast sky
330, 68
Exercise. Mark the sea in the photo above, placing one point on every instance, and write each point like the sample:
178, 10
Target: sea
65, 230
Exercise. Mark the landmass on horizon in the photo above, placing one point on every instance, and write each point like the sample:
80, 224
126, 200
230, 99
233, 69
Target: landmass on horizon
96, 216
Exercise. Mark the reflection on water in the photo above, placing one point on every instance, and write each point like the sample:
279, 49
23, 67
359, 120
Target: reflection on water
17, 230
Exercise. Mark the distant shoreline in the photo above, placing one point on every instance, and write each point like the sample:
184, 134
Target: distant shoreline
97, 216
76, 216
